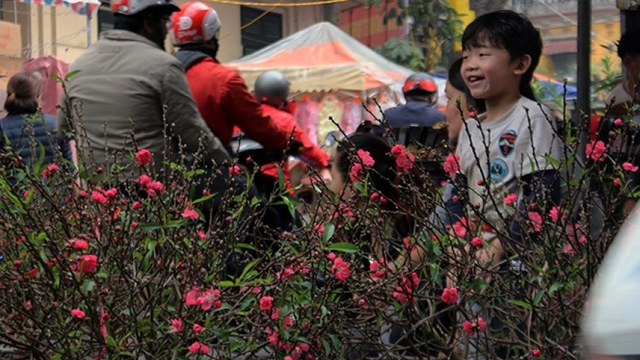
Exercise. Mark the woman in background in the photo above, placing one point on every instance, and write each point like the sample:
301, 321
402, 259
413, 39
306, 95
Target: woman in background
25, 128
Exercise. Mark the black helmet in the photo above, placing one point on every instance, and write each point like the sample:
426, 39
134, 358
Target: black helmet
420, 82
272, 87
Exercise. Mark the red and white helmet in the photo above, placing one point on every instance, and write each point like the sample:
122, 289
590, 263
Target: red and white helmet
131, 7
196, 22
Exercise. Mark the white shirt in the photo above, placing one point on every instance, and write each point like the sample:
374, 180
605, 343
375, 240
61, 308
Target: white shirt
517, 143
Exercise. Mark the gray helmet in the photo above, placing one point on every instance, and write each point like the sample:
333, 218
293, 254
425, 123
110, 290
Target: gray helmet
272, 87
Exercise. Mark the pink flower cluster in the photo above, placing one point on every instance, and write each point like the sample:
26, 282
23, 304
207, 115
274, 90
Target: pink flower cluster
377, 269
50, 170
404, 160
152, 187
87, 264
102, 196
451, 164
199, 348
596, 150
357, 172
340, 268
206, 299
470, 327
404, 292
143, 157
449, 295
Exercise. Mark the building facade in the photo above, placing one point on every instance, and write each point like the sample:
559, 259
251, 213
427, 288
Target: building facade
58, 31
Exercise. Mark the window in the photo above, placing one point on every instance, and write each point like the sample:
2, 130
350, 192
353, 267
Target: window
265, 31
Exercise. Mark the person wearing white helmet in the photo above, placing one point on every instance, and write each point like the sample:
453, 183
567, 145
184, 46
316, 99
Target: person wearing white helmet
220, 92
126, 84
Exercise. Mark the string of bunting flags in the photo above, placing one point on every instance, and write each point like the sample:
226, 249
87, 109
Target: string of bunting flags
81, 7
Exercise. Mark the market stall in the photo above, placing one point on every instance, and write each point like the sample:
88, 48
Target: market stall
331, 75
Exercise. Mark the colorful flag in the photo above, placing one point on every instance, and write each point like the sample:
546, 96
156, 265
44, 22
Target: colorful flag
78, 6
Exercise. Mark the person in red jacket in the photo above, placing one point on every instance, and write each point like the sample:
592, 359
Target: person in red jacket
271, 91
219, 91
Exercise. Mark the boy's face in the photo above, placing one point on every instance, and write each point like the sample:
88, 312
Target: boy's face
490, 73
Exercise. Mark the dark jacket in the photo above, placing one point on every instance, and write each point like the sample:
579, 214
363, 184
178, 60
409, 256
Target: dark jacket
25, 132
128, 88
416, 112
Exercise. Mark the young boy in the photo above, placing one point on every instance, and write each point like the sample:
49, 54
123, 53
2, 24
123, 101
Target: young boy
505, 153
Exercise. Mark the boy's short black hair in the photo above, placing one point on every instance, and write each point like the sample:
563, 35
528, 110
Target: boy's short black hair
511, 31
629, 43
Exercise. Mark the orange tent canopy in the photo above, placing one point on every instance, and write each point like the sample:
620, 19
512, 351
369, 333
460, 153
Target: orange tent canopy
324, 58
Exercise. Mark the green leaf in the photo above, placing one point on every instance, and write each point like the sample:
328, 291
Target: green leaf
538, 297
344, 247
110, 341
329, 229
87, 286
520, 303
556, 285
226, 283
70, 74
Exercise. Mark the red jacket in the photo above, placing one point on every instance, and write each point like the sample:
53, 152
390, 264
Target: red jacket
311, 152
224, 101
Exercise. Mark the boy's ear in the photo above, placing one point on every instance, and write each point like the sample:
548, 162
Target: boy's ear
522, 64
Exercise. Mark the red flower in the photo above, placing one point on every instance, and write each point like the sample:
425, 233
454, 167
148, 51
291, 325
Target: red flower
190, 213
476, 242
535, 221
209, 299
266, 303
536, 352
404, 162
32, 273
198, 348
50, 170
111, 193
276, 314
468, 328
451, 164
617, 182
286, 274
136, 205
287, 322
629, 167
398, 149
450, 295
365, 158
377, 270
78, 244
403, 294
482, 325
77, 313
191, 297
144, 180
143, 157
234, 170
460, 227
340, 269
98, 197
17, 263
273, 336
176, 325
510, 199
87, 264
596, 150
197, 328
356, 172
